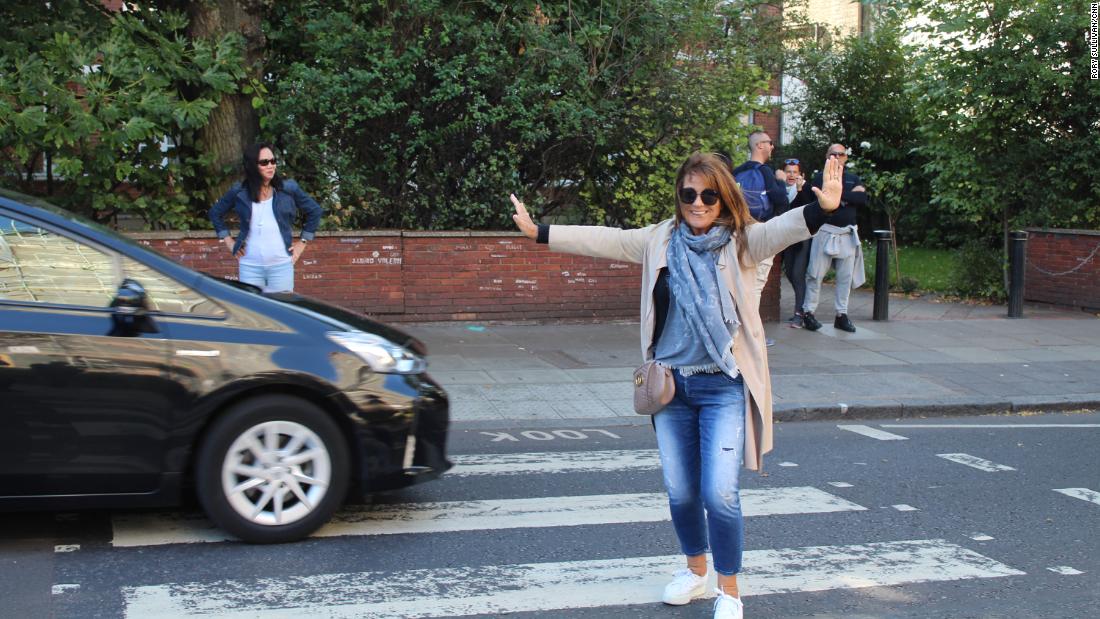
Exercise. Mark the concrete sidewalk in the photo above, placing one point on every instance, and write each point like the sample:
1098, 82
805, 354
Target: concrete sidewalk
931, 358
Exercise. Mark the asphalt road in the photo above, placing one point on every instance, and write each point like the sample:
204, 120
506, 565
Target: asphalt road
995, 516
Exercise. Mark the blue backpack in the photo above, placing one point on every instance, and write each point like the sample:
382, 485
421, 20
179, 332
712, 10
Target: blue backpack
754, 189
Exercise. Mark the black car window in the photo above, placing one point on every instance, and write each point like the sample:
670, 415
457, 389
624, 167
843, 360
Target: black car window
168, 295
38, 265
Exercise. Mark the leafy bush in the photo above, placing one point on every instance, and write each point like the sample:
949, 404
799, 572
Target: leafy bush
908, 284
427, 114
979, 272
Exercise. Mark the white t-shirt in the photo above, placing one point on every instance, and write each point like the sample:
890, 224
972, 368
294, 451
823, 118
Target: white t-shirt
264, 246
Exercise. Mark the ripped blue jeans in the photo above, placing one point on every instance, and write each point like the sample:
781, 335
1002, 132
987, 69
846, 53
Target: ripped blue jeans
701, 439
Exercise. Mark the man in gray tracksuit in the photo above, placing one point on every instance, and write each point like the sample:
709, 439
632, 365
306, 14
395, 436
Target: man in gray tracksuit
837, 245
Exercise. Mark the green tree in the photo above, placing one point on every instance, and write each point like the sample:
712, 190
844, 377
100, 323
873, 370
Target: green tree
426, 113
107, 101
1010, 115
857, 92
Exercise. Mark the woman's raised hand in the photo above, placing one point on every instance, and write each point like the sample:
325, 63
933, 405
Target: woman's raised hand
832, 185
523, 219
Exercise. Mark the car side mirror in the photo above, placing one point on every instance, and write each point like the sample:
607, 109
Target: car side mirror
130, 310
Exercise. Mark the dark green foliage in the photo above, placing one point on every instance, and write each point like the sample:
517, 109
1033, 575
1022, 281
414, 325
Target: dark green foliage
427, 114
908, 284
857, 93
978, 272
1011, 116
107, 98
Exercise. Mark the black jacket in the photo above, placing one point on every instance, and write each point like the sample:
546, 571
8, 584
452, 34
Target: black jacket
849, 200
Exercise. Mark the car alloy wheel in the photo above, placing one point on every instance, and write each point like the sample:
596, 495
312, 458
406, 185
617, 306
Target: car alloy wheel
272, 469
276, 472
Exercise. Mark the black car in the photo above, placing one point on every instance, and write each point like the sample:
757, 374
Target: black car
129, 380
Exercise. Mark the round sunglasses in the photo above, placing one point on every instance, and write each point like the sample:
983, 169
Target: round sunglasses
688, 195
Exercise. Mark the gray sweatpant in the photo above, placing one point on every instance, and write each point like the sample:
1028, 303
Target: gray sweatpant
844, 268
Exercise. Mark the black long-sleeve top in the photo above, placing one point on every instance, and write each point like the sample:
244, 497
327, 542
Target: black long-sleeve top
849, 200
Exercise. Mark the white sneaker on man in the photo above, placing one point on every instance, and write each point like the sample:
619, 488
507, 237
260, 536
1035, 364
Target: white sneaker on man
728, 607
686, 586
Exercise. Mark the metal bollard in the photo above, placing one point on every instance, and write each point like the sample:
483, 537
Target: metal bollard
1017, 260
882, 274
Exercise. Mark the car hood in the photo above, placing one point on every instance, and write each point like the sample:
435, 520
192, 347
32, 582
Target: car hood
346, 320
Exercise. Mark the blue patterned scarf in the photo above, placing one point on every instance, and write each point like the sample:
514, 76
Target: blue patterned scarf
705, 305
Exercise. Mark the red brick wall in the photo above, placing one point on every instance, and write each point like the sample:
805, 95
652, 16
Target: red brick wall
1063, 267
444, 276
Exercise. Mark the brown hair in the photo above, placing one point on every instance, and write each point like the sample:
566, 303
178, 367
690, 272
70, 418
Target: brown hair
734, 213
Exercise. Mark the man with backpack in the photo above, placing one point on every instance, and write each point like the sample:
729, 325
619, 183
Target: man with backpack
765, 196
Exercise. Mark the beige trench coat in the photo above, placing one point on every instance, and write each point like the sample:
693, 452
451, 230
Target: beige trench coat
649, 247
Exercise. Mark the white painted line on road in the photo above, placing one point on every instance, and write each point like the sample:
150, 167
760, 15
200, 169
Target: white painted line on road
902, 507
991, 425
788, 464
981, 537
168, 528
65, 588
66, 548
840, 484
554, 462
976, 462
1065, 570
873, 433
1084, 494
501, 589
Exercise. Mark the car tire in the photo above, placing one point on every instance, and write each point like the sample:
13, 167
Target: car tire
272, 469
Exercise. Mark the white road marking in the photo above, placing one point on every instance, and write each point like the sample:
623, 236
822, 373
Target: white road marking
902, 507
872, 432
981, 537
1065, 570
500, 589
66, 548
138, 529
976, 462
64, 588
555, 462
1084, 494
840, 484
991, 425
788, 464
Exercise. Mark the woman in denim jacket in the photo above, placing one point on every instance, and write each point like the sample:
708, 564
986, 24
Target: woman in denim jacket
267, 206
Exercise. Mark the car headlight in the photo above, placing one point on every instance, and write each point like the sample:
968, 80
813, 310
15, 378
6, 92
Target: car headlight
380, 354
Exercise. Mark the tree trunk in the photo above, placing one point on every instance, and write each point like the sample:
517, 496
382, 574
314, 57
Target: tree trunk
234, 124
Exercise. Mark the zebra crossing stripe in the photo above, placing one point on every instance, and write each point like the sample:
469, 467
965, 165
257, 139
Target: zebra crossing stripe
555, 462
438, 517
976, 462
1084, 494
498, 589
868, 431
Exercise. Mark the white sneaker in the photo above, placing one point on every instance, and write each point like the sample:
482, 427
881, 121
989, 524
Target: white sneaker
728, 607
685, 587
